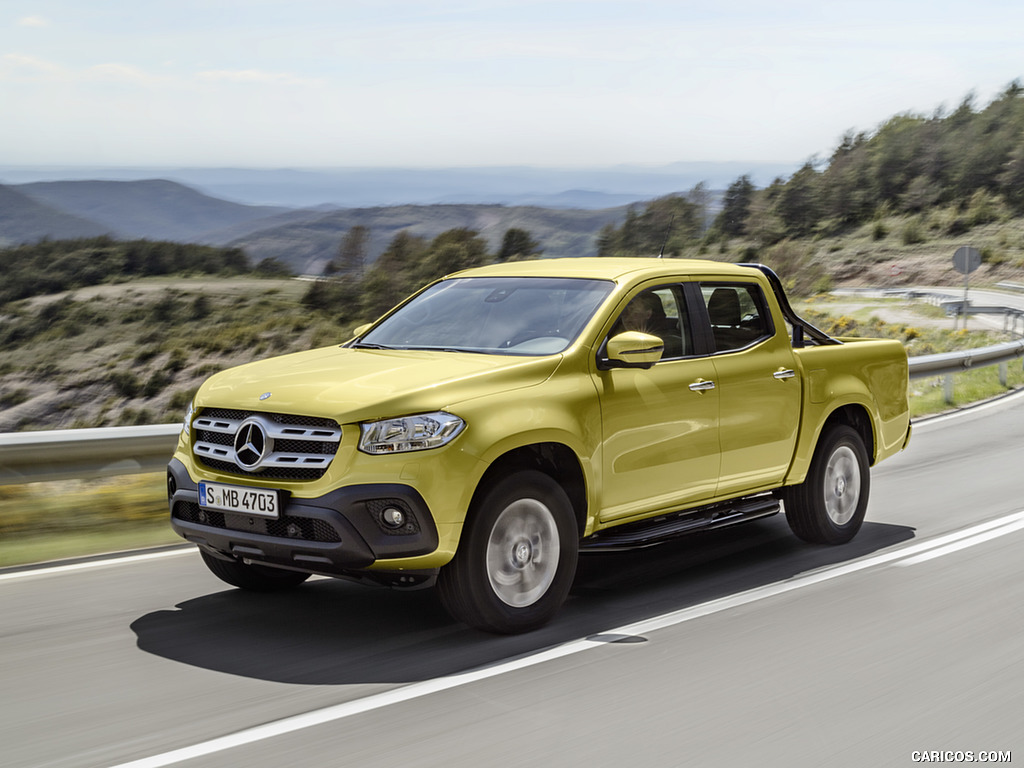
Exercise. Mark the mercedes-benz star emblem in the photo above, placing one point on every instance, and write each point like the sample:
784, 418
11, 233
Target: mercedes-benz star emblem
251, 444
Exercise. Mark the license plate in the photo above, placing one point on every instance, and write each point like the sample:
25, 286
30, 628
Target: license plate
234, 498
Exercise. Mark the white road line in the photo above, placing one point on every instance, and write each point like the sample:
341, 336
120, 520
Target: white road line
941, 544
964, 543
106, 562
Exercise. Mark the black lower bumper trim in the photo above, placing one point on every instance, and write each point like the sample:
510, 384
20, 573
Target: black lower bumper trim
335, 533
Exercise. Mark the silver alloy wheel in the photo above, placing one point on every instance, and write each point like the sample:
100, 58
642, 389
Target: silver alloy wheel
522, 553
842, 485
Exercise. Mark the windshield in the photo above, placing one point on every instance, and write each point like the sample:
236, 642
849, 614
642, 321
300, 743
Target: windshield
493, 315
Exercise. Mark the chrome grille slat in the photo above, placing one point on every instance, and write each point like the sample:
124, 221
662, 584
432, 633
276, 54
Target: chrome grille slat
301, 448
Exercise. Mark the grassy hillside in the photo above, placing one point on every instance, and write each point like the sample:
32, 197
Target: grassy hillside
134, 353
894, 250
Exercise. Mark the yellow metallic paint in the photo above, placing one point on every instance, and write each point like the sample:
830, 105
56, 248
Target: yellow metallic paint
644, 441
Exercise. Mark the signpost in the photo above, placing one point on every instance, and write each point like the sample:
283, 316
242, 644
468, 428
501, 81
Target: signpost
965, 260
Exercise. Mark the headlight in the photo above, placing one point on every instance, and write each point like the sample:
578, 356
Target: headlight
409, 433
186, 424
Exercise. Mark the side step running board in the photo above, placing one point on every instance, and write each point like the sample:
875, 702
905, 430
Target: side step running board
648, 533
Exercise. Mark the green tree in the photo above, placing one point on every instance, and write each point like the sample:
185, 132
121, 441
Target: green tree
1011, 178
272, 267
700, 198
518, 245
351, 258
340, 298
452, 251
669, 223
393, 275
732, 220
798, 203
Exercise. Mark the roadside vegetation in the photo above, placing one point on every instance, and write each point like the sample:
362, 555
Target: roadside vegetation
74, 518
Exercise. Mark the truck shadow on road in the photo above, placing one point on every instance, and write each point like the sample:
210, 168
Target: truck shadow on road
331, 632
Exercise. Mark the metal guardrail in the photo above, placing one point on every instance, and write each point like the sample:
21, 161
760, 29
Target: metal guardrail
947, 363
62, 454
28, 457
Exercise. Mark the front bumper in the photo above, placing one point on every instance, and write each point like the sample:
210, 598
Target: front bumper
337, 533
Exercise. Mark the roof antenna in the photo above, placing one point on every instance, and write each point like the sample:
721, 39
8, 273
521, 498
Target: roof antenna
661, 253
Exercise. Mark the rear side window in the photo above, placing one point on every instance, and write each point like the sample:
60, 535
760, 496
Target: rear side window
738, 314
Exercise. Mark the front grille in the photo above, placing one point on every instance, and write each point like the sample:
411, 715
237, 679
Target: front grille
284, 527
267, 474
289, 447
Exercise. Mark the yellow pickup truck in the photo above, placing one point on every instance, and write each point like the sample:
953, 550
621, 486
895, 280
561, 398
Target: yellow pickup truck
504, 419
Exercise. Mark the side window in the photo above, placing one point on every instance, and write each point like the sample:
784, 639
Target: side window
738, 314
659, 312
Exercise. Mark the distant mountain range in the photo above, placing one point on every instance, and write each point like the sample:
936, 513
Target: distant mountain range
369, 187
23, 219
562, 209
154, 209
305, 239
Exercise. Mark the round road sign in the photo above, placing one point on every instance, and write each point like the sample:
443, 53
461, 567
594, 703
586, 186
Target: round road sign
966, 259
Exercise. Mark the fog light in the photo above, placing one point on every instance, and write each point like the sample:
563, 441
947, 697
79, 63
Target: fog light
393, 517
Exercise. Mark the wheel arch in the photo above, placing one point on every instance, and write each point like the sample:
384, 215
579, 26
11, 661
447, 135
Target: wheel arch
852, 413
858, 418
554, 459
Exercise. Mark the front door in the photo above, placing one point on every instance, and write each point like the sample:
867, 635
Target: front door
660, 425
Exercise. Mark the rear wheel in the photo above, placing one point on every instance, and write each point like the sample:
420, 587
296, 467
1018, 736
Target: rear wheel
517, 558
829, 506
255, 578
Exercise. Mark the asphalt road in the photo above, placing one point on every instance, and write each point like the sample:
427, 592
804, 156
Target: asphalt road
742, 647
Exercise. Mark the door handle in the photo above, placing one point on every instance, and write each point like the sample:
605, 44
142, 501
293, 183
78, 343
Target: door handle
785, 373
700, 385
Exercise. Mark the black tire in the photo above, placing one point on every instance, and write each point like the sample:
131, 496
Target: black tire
255, 578
517, 557
829, 506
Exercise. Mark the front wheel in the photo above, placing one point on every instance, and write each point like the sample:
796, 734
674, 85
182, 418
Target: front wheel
829, 506
517, 558
255, 578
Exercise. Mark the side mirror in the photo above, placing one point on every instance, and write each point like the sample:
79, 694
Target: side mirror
634, 349
359, 331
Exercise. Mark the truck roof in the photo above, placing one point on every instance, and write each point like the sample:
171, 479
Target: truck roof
608, 268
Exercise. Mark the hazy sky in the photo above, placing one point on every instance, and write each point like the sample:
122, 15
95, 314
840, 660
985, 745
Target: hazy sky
269, 83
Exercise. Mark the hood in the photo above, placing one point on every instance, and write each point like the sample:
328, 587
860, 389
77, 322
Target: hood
351, 385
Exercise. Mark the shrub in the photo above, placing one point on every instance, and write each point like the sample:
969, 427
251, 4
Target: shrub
131, 417
125, 383
156, 384
15, 397
983, 208
912, 232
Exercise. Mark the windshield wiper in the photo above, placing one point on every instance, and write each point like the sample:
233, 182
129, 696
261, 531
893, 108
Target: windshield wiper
448, 349
369, 345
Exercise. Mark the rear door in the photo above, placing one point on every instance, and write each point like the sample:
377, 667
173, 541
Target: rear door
758, 387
